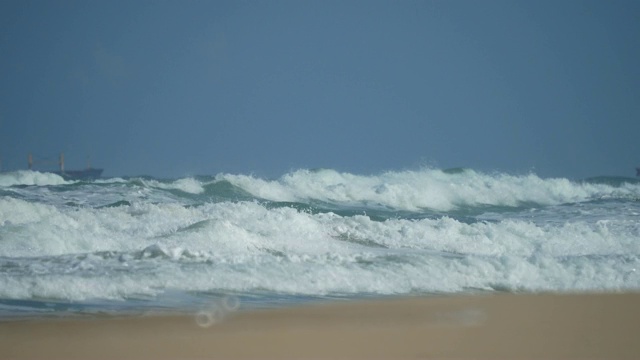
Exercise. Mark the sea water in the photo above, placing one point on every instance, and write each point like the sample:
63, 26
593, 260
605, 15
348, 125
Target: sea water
139, 244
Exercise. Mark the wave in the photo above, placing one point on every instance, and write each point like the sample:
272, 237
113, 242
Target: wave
30, 178
428, 189
33, 229
128, 250
316, 232
420, 191
615, 181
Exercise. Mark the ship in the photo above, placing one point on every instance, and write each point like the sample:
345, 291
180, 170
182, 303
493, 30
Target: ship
89, 173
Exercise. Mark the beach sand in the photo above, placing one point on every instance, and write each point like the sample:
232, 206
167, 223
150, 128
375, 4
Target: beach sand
572, 326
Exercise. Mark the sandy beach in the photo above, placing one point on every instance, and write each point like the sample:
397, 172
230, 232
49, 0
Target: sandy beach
573, 326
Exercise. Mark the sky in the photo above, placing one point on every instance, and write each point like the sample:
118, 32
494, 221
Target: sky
182, 88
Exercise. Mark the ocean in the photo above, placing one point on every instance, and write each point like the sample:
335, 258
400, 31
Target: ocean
141, 244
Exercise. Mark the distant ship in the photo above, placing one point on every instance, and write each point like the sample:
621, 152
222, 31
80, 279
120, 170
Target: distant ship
86, 174
638, 171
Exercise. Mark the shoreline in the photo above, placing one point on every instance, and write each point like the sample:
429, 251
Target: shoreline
506, 326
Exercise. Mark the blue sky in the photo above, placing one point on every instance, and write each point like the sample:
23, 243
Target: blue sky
178, 88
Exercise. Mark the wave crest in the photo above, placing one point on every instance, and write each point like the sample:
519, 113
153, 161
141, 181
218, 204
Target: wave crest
426, 189
28, 177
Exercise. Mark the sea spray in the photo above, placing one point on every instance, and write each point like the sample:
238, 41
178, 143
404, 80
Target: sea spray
152, 243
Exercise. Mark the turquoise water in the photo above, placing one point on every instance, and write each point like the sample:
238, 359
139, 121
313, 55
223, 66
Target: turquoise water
142, 244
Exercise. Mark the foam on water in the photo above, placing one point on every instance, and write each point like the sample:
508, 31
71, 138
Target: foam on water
28, 177
426, 189
143, 249
187, 185
139, 238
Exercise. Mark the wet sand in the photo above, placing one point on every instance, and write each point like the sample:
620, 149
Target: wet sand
588, 326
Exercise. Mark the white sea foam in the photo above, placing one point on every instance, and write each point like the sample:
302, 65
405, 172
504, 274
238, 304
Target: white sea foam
28, 177
119, 239
145, 248
34, 229
425, 189
187, 185
319, 275
249, 226
114, 180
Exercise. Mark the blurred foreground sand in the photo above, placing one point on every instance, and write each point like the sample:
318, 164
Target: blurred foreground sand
589, 326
